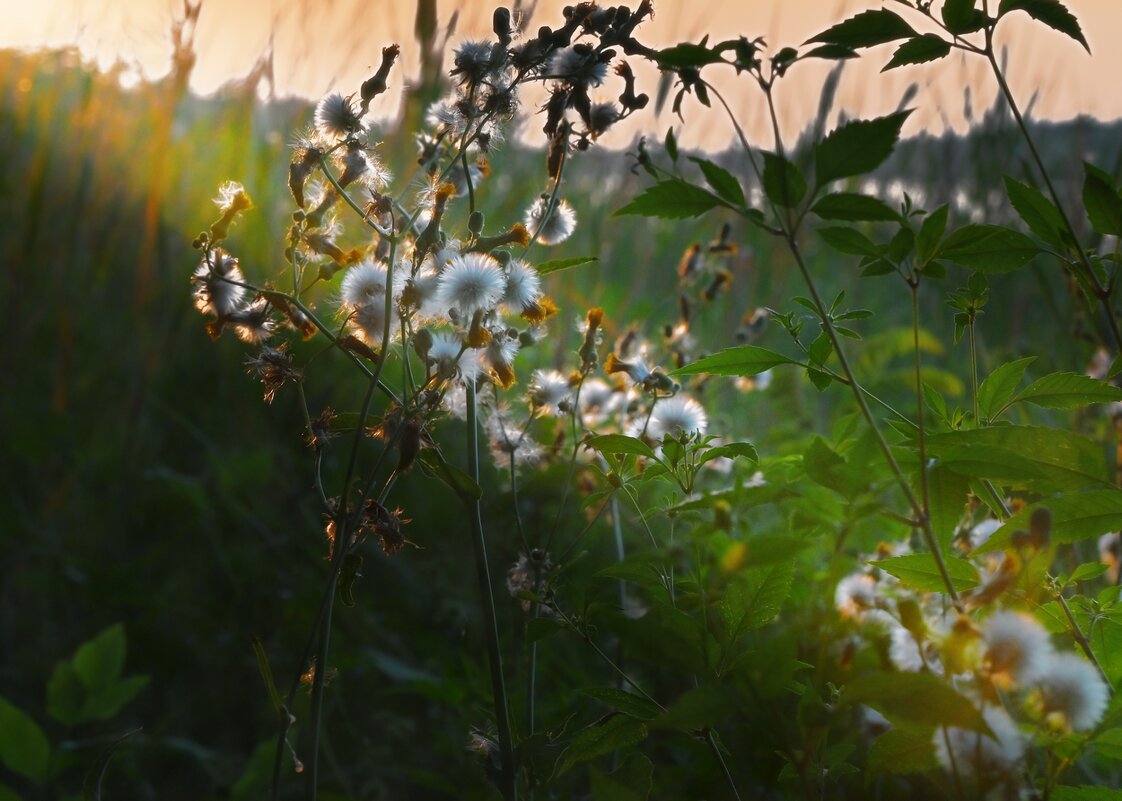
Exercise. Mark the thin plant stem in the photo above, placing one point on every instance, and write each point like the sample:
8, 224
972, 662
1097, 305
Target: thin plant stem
491, 624
921, 432
974, 370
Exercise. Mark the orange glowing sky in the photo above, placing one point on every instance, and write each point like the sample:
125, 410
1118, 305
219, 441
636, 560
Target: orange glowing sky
334, 44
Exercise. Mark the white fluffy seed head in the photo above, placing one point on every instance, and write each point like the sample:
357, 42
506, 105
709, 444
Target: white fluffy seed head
471, 282
1072, 688
363, 284
855, 595
975, 756
548, 390
336, 117
677, 416
557, 228
214, 292
1017, 647
578, 65
451, 360
523, 286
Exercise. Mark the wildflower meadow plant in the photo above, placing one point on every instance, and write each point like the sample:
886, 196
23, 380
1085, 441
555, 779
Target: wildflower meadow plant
897, 597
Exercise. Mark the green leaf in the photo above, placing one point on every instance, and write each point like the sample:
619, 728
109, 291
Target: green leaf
671, 144
8, 794
853, 206
112, 699
99, 661
1039, 213
619, 443
903, 750
866, 29
744, 360
988, 248
919, 50
1051, 12
556, 265
1088, 571
1067, 391
23, 746
918, 570
961, 17
1000, 386
947, 491
630, 782
602, 737
734, 450
65, 695
1101, 200
1028, 457
784, 184
850, 241
629, 703
1109, 744
687, 55
931, 232
266, 671
700, 708
825, 467
724, 183
755, 597
857, 147
1075, 517
1106, 645
458, 481
921, 699
673, 199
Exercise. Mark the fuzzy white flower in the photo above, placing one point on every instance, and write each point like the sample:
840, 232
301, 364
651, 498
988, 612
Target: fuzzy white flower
904, 651
548, 390
472, 282
499, 357
509, 440
855, 594
677, 416
557, 228
232, 195
979, 756
523, 286
578, 64
983, 531
1071, 688
363, 284
336, 116
253, 323
1017, 647
451, 360
214, 293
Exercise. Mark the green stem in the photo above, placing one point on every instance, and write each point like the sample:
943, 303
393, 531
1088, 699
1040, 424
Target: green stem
491, 624
974, 370
921, 433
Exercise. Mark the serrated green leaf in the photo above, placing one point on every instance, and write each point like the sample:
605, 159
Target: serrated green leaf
866, 29
919, 571
734, 450
1029, 457
65, 695
920, 699
1038, 212
619, 443
744, 360
1106, 645
784, 184
602, 737
1075, 517
1088, 571
961, 17
918, 50
755, 596
724, 183
851, 241
1109, 744
853, 206
100, 660
988, 248
931, 232
23, 746
857, 147
455, 478
1000, 386
1101, 199
556, 265
903, 750
622, 701
687, 55
672, 199
1067, 391
1051, 12
947, 492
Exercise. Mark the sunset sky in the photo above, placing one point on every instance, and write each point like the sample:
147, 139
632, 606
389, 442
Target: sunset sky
322, 44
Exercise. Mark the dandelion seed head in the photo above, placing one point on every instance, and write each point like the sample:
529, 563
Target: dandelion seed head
1072, 688
451, 360
253, 323
677, 416
470, 283
214, 292
578, 64
558, 227
855, 595
1017, 647
363, 284
548, 389
507, 439
232, 195
523, 285
336, 117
